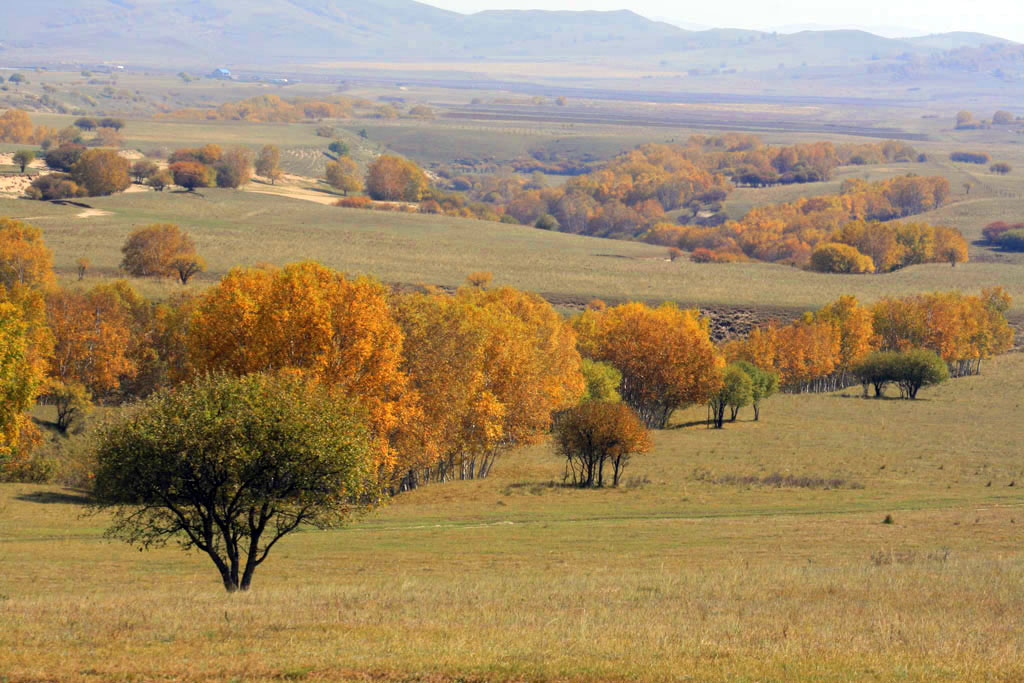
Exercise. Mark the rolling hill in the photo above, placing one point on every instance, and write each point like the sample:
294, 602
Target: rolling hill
194, 32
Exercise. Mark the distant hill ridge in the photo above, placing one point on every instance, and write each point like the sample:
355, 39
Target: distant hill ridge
190, 32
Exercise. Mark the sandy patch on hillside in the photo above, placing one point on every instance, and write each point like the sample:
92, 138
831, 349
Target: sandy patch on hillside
285, 188
135, 187
92, 213
293, 192
14, 185
131, 154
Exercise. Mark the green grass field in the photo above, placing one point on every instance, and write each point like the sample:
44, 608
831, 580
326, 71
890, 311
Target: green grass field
686, 573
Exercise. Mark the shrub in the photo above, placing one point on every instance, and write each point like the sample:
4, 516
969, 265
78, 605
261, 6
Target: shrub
971, 157
548, 222
354, 203
142, 169
54, 186
101, 172
834, 257
192, 174
919, 368
1012, 240
1002, 118
64, 157
993, 231
235, 168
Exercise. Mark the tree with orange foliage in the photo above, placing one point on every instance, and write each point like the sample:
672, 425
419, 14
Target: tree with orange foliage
25, 341
854, 325
101, 172
93, 337
490, 369
665, 356
391, 178
833, 257
807, 353
192, 174
313, 320
595, 433
20, 381
962, 329
16, 128
25, 260
161, 249
343, 175
443, 356
268, 163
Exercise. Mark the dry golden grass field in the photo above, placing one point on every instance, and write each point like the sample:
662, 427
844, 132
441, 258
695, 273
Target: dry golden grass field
694, 570
246, 228
755, 553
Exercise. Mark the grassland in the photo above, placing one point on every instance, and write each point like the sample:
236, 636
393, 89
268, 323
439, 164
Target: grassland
686, 573
695, 569
243, 228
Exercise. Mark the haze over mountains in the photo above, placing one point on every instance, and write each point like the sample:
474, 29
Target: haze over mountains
204, 32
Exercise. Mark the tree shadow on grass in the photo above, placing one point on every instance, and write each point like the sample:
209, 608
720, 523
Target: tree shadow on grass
68, 202
859, 397
691, 423
65, 497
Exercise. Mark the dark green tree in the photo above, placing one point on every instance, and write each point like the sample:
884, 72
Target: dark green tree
763, 383
919, 368
24, 157
737, 391
229, 466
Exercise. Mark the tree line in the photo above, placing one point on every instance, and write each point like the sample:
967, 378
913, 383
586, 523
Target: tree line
448, 382
819, 351
856, 217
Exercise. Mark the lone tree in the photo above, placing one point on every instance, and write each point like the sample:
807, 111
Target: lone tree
234, 168
23, 158
268, 162
595, 433
101, 172
339, 148
229, 466
192, 174
343, 175
161, 249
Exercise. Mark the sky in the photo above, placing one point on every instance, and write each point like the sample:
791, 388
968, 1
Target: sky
893, 18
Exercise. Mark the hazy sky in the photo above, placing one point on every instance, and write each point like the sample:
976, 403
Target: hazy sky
1004, 18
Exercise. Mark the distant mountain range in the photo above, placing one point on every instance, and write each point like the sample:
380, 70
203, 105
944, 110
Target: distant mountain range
215, 32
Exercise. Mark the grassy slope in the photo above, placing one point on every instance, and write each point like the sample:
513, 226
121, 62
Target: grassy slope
236, 228
673, 577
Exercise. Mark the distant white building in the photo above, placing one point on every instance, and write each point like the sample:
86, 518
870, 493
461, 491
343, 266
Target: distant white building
221, 73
